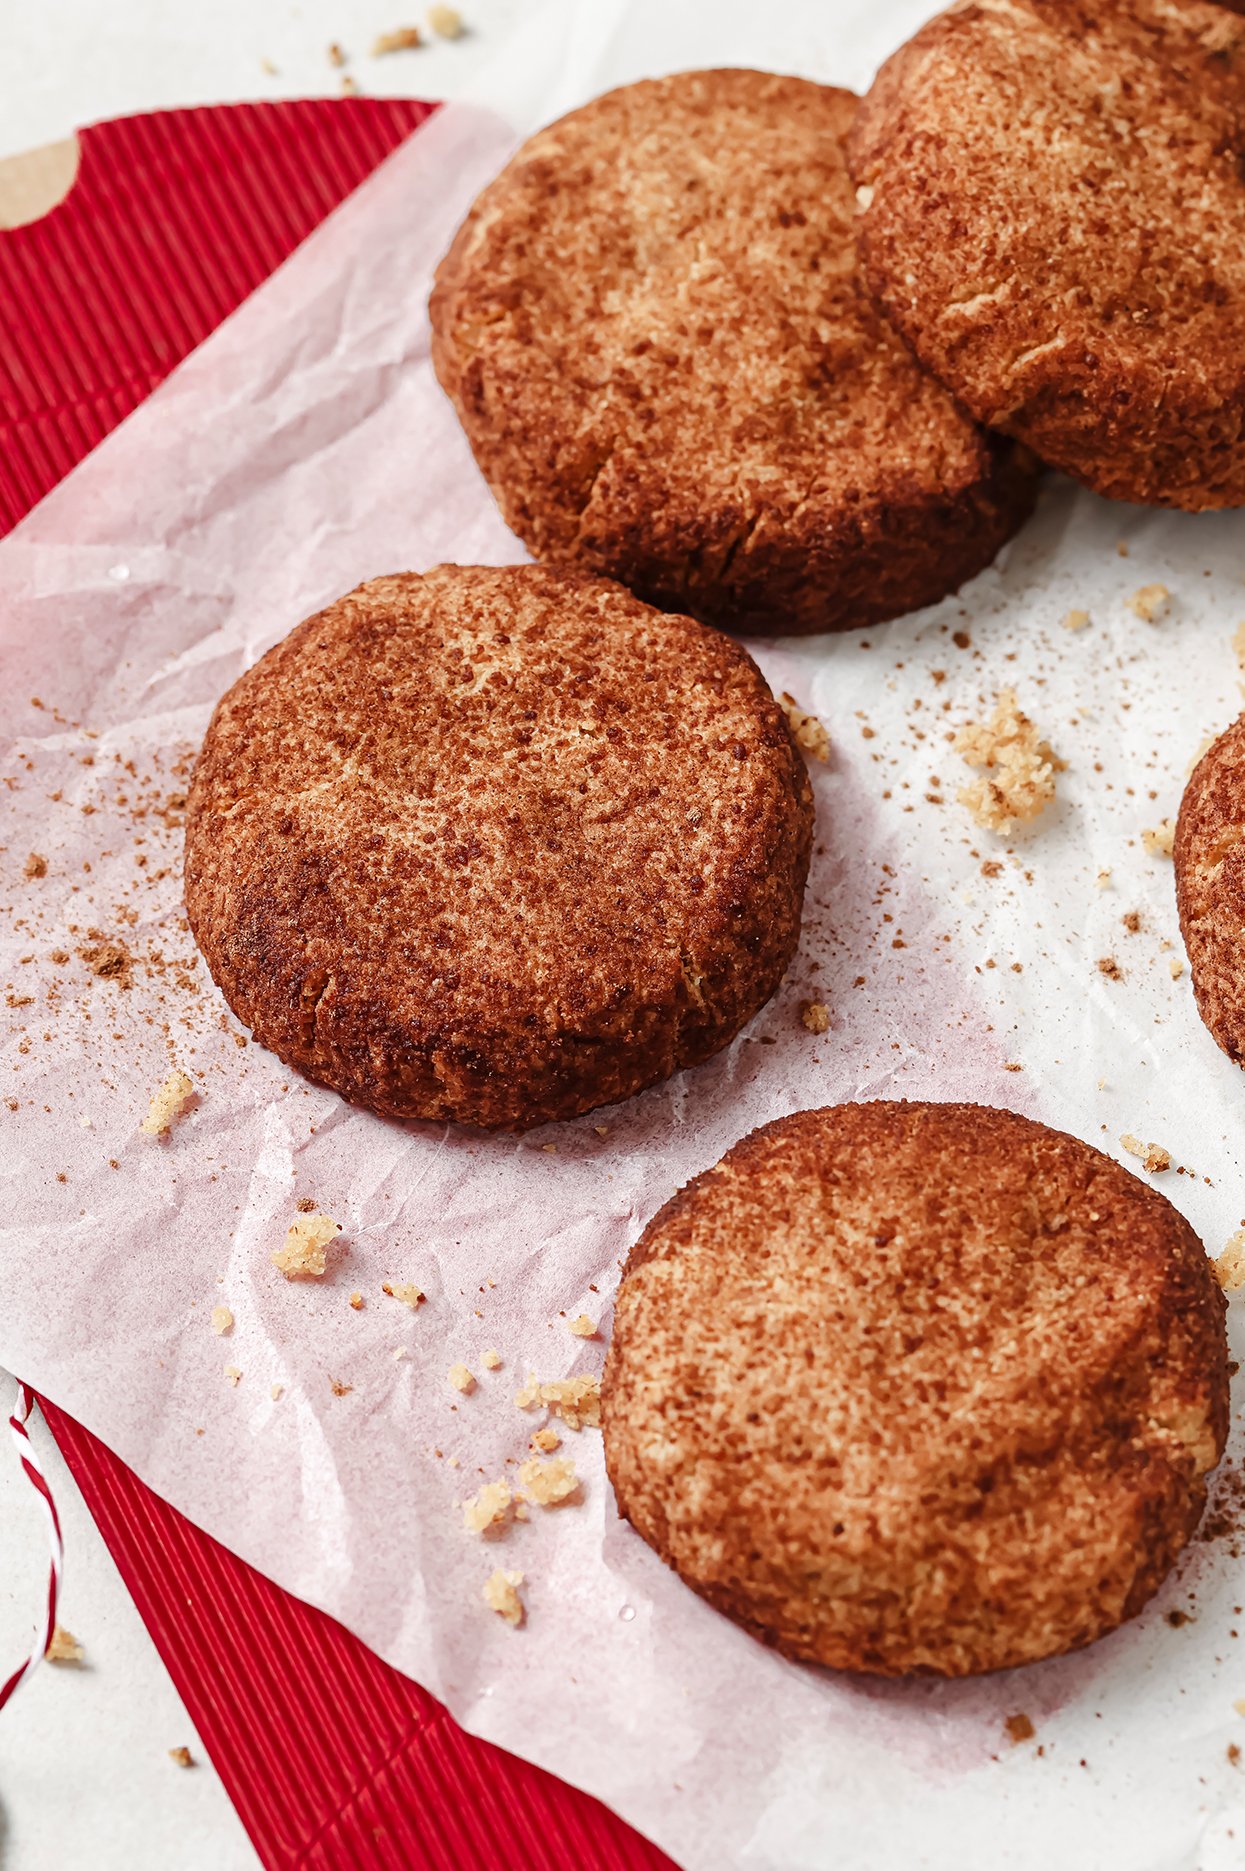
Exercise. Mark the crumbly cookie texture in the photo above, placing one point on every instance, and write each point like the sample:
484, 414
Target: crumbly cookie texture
576, 1400
501, 1594
758, 447
1209, 856
167, 1104
1113, 345
1019, 767
303, 1255
1155, 1158
1150, 603
828, 1350
593, 809
488, 1509
549, 1483
63, 1647
808, 732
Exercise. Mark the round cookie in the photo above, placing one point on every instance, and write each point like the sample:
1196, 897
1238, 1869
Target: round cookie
497, 845
1052, 212
917, 1388
653, 331
1209, 855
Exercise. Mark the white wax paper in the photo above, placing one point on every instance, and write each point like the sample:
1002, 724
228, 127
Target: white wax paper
304, 447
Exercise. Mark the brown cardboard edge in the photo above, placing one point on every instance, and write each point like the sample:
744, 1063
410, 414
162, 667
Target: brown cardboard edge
31, 185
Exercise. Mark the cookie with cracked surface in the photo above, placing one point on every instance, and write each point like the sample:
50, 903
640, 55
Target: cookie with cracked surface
1209, 856
653, 331
917, 1388
1052, 212
497, 845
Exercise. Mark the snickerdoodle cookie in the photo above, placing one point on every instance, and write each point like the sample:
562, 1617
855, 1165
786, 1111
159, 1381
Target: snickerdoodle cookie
1053, 214
1209, 854
653, 330
917, 1387
497, 845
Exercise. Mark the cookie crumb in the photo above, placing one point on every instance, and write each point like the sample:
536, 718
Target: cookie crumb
336, 57
302, 1255
350, 86
1107, 965
1175, 967
1229, 1265
181, 1757
401, 39
1158, 839
407, 1295
233, 1375
36, 865
547, 1439
583, 1326
1019, 765
1075, 620
815, 1015
1103, 880
489, 1508
491, 1360
577, 1400
501, 1594
1150, 603
277, 1392
63, 1646
355, 1302
461, 1379
1019, 1728
446, 22
222, 1320
339, 1389
549, 1484
305, 1205
807, 731
167, 1104
1153, 1156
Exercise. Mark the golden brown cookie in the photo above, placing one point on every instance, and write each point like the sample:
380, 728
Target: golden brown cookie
497, 845
652, 328
1053, 215
917, 1387
1209, 854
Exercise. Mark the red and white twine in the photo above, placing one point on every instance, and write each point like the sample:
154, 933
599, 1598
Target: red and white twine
38, 1481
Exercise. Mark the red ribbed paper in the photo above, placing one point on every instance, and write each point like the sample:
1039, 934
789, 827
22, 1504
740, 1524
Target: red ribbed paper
332, 1759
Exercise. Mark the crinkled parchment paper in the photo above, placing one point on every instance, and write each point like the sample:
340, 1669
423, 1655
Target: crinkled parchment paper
305, 447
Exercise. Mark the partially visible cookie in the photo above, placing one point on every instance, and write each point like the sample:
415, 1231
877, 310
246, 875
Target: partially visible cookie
1209, 855
652, 328
1052, 212
497, 845
917, 1387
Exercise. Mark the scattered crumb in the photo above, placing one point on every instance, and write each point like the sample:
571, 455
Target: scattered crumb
401, 39
446, 22
36, 865
549, 1484
401, 1352
350, 86
268, 68
305, 1205
602, 1130
577, 1400
1012, 1065
1108, 965
277, 1392
806, 730
1019, 1728
1175, 967
815, 1016
1103, 880
302, 1255
339, 1389
1158, 839
109, 961
1150, 603
222, 1320
461, 1379
1121, 546
167, 1104
63, 1647
233, 1375
583, 1326
408, 1295
1229, 1266
1239, 1705
336, 57
182, 1757
1075, 620
356, 1302
1234, 1754
1020, 767
491, 1360
547, 1439
1131, 920
489, 1508
501, 1594
1153, 1156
